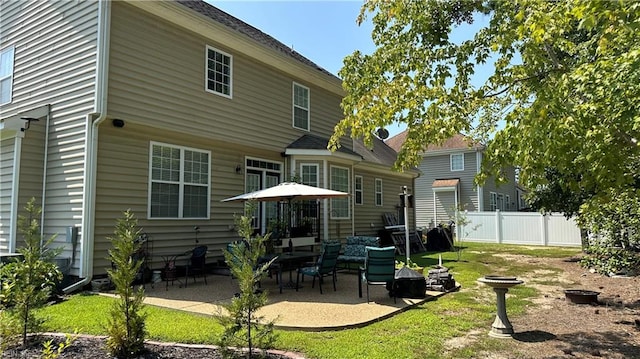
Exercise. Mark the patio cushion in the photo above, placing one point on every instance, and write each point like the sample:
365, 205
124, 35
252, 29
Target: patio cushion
354, 250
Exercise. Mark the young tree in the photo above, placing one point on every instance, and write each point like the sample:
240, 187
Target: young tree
242, 327
126, 323
27, 284
563, 92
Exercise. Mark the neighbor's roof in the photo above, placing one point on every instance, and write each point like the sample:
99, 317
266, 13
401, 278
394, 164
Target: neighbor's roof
457, 142
242, 27
450, 182
380, 153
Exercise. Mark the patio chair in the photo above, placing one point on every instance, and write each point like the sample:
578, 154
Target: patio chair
325, 266
379, 269
197, 264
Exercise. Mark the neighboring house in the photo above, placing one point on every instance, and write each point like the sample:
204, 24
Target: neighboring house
446, 182
166, 108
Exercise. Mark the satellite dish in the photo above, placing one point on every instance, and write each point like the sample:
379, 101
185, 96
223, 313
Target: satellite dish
382, 133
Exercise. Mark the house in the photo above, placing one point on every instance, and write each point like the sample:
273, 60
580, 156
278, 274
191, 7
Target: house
166, 108
446, 182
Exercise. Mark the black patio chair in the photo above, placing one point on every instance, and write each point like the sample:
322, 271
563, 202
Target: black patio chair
197, 264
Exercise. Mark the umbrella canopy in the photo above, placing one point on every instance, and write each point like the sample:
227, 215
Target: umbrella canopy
287, 191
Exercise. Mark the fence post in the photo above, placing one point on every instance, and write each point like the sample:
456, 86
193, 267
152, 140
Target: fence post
498, 227
543, 228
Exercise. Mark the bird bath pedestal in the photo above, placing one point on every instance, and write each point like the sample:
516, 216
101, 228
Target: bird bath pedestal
501, 327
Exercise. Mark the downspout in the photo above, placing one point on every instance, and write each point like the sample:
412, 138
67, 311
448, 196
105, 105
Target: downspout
480, 188
13, 226
325, 203
44, 171
91, 148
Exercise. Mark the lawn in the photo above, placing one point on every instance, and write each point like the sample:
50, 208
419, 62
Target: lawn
421, 332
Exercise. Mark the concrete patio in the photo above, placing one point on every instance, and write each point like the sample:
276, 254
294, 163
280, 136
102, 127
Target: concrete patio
305, 309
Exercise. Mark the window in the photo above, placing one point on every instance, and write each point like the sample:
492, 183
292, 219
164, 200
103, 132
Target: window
493, 201
340, 182
500, 201
507, 205
179, 182
300, 107
457, 162
309, 174
6, 74
261, 174
378, 192
219, 66
357, 189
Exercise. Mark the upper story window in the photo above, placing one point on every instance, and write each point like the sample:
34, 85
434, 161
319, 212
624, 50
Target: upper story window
378, 192
178, 182
6, 74
300, 107
219, 69
357, 189
309, 174
457, 162
340, 182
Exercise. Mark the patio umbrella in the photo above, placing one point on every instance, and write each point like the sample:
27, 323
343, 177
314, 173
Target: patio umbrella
287, 191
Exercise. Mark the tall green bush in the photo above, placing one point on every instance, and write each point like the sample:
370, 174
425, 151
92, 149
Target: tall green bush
615, 225
126, 322
27, 284
242, 327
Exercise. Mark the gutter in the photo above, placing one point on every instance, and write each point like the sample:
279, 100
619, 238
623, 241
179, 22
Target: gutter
44, 171
91, 148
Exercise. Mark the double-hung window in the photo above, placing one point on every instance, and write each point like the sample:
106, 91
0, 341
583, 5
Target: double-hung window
357, 189
340, 182
179, 182
300, 107
219, 71
457, 162
309, 174
6, 74
378, 192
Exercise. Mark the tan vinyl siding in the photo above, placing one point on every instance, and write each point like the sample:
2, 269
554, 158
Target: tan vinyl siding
55, 64
368, 216
158, 79
7, 154
123, 177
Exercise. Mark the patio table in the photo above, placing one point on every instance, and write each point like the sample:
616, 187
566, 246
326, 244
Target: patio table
169, 270
290, 261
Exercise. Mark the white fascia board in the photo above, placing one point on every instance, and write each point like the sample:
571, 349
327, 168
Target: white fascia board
449, 151
209, 28
445, 189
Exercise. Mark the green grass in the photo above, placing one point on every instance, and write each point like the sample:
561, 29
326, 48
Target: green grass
417, 333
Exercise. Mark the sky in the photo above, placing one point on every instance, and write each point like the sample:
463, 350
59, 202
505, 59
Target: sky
324, 31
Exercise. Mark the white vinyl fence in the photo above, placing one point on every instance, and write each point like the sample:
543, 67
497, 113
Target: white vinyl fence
530, 228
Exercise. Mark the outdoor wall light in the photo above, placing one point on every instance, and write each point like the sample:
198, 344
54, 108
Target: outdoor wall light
28, 121
238, 169
118, 123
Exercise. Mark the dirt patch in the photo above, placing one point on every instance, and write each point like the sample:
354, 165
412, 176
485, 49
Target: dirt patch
555, 328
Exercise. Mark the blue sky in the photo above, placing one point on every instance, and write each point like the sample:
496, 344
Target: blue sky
324, 31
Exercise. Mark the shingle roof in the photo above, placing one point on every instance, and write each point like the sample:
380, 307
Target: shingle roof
380, 153
312, 142
242, 27
456, 142
451, 182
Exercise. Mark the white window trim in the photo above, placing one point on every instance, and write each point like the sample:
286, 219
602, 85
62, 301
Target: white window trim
206, 72
356, 190
181, 183
451, 162
317, 167
11, 49
493, 201
381, 192
293, 107
332, 216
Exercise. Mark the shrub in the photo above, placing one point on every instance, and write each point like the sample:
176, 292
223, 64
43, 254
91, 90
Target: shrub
126, 322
